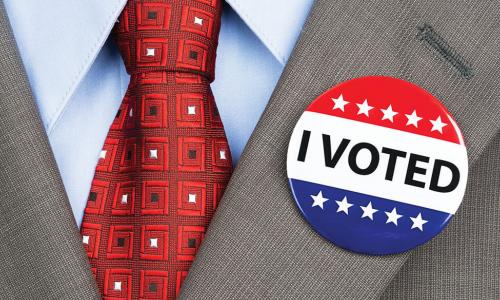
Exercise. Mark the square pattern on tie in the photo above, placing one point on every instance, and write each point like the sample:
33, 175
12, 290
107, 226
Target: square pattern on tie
154, 242
154, 198
191, 198
151, 15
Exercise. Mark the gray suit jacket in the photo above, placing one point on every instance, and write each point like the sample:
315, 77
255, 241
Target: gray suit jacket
258, 245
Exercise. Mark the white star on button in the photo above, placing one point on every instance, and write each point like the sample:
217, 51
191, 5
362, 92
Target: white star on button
85, 239
222, 154
393, 216
192, 198
319, 200
368, 211
339, 103
437, 125
413, 119
103, 154
198, 21
388, 114
153, 243
418, 222
118, 286
343, 206
364, 108
124, 199
191, 110
150, 52
153, 153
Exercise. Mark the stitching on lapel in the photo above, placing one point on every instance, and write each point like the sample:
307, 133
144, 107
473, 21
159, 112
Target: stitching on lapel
427, 34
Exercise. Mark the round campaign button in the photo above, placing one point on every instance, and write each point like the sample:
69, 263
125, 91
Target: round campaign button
377, 165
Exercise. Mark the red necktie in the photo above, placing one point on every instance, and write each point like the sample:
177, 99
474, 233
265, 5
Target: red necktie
166, 161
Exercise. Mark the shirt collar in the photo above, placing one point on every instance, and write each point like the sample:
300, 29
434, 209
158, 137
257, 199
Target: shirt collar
276, 23
58, 43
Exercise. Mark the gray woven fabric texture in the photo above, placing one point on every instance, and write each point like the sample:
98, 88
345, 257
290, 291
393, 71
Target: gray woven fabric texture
259, 246
464, 261
41, 256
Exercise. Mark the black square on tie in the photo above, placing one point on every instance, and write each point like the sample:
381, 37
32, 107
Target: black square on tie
193, 55
192, 154
92, 196
191, 243
154, 197
151, 15
121, 242
152, 287
129, 154
153, 110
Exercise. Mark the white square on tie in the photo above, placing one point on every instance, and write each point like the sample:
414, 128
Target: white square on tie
153, 153
150, 52
222, 154
124, 198
103, 154
118, 286
85, 239
198, 21
153, 243
192, 198
191, 110
131, 112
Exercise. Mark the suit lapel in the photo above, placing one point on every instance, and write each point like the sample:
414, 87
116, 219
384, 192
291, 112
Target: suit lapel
41, 256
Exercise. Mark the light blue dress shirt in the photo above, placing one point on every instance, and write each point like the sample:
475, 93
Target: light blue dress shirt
78, 78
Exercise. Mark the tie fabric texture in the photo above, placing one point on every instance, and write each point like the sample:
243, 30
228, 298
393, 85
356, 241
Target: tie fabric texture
166, 161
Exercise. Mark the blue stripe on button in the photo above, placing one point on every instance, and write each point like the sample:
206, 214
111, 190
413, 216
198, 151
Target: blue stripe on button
362, 234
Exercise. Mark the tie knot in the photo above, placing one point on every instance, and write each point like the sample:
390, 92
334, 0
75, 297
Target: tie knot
169, 35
